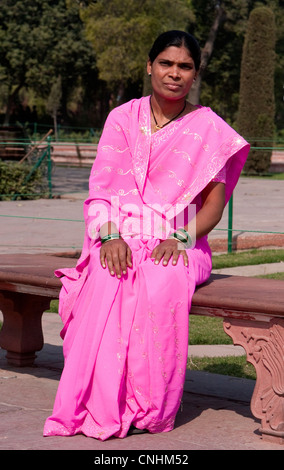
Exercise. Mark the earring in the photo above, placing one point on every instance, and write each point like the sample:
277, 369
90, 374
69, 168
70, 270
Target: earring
149, 74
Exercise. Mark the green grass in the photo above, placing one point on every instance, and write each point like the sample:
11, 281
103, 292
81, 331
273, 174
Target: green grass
271, 176
53, 306
279, 276
246, 258
235, 366
207, 330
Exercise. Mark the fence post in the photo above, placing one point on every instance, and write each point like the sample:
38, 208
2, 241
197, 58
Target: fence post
230, 225
49, 166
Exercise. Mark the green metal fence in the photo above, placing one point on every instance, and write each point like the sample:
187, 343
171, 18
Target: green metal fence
39, 155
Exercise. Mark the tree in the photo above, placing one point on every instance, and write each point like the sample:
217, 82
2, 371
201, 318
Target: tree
123, 33
256, 103
54, 102
40, 40
207, 51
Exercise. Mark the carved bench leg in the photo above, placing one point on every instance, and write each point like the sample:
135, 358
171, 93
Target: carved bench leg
264, 345
21, 334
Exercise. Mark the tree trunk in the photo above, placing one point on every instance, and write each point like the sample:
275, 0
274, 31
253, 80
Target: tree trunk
55, 125
194, 94
10, 102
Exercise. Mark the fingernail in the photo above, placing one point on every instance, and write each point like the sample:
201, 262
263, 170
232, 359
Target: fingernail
124, 272
156, 261
165, 263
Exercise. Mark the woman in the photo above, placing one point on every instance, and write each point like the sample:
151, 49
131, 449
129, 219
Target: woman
125, 306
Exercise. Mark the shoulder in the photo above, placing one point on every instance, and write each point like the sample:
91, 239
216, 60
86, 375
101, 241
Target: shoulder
216, 122
127, 109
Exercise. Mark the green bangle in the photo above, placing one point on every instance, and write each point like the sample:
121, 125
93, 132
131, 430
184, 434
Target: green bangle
112, 236
182, 236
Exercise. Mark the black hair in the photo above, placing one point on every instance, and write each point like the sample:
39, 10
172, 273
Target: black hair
178, 39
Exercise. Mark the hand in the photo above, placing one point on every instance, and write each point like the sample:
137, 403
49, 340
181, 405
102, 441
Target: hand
117, 255
169, 249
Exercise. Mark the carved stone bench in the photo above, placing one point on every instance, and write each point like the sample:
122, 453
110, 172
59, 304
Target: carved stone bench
252, 310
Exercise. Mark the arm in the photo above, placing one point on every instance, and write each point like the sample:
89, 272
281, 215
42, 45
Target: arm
213, 203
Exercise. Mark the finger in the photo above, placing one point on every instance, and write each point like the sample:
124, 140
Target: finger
129, 257
176, 254
123, 259
116, 264
153, 254
185, 257
110, 264
102, 258
159, 254
167, 256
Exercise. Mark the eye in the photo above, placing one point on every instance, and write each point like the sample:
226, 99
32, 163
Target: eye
187, 66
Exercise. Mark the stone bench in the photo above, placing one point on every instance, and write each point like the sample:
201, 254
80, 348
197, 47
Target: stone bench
252, 310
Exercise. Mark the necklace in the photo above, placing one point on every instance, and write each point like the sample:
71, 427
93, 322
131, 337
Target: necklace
160, 127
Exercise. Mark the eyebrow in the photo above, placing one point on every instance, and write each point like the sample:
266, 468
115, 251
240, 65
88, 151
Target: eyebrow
173, 62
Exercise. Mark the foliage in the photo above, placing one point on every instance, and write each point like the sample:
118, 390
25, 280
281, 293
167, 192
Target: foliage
40, 40
14, 181
221, 81
257, 104
79, 39
123, 33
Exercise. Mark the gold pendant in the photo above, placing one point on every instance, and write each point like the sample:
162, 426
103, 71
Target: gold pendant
158, 127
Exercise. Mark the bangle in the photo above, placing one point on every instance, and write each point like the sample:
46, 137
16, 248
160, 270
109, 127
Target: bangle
112, 236
182, 236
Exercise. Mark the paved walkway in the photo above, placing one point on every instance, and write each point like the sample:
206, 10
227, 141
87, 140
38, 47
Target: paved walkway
216, 413
56, 225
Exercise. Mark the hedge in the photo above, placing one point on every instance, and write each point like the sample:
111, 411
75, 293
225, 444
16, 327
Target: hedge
16, 182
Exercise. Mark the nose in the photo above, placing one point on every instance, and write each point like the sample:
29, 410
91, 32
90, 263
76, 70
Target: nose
174, 72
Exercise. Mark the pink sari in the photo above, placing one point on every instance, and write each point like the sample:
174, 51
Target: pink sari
126, 340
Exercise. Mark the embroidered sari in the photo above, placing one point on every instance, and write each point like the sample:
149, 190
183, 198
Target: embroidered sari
125, 341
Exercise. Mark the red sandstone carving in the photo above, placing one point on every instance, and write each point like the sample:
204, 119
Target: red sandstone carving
264, 345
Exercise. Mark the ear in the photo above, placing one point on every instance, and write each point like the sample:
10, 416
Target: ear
196, 75
149, 67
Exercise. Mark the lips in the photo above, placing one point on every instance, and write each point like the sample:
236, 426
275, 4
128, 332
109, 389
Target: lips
172, 86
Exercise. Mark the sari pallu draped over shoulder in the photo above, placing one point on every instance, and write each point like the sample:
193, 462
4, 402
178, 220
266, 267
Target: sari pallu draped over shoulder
191, 152
125, 340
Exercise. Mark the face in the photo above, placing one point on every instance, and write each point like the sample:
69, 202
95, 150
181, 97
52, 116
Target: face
173, 72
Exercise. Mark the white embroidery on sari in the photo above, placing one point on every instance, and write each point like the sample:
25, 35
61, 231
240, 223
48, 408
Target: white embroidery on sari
183, 154
140, 159
195, 135
119, 192
117, 128
216, 163
106, 148
109, 169
172, 174
211, 121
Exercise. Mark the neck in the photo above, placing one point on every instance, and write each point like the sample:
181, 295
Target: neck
166, 109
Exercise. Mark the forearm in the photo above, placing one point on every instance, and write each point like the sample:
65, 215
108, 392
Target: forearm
206, 219
210, 213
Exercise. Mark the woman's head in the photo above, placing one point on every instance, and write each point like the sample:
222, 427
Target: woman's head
173, 64
177, 39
